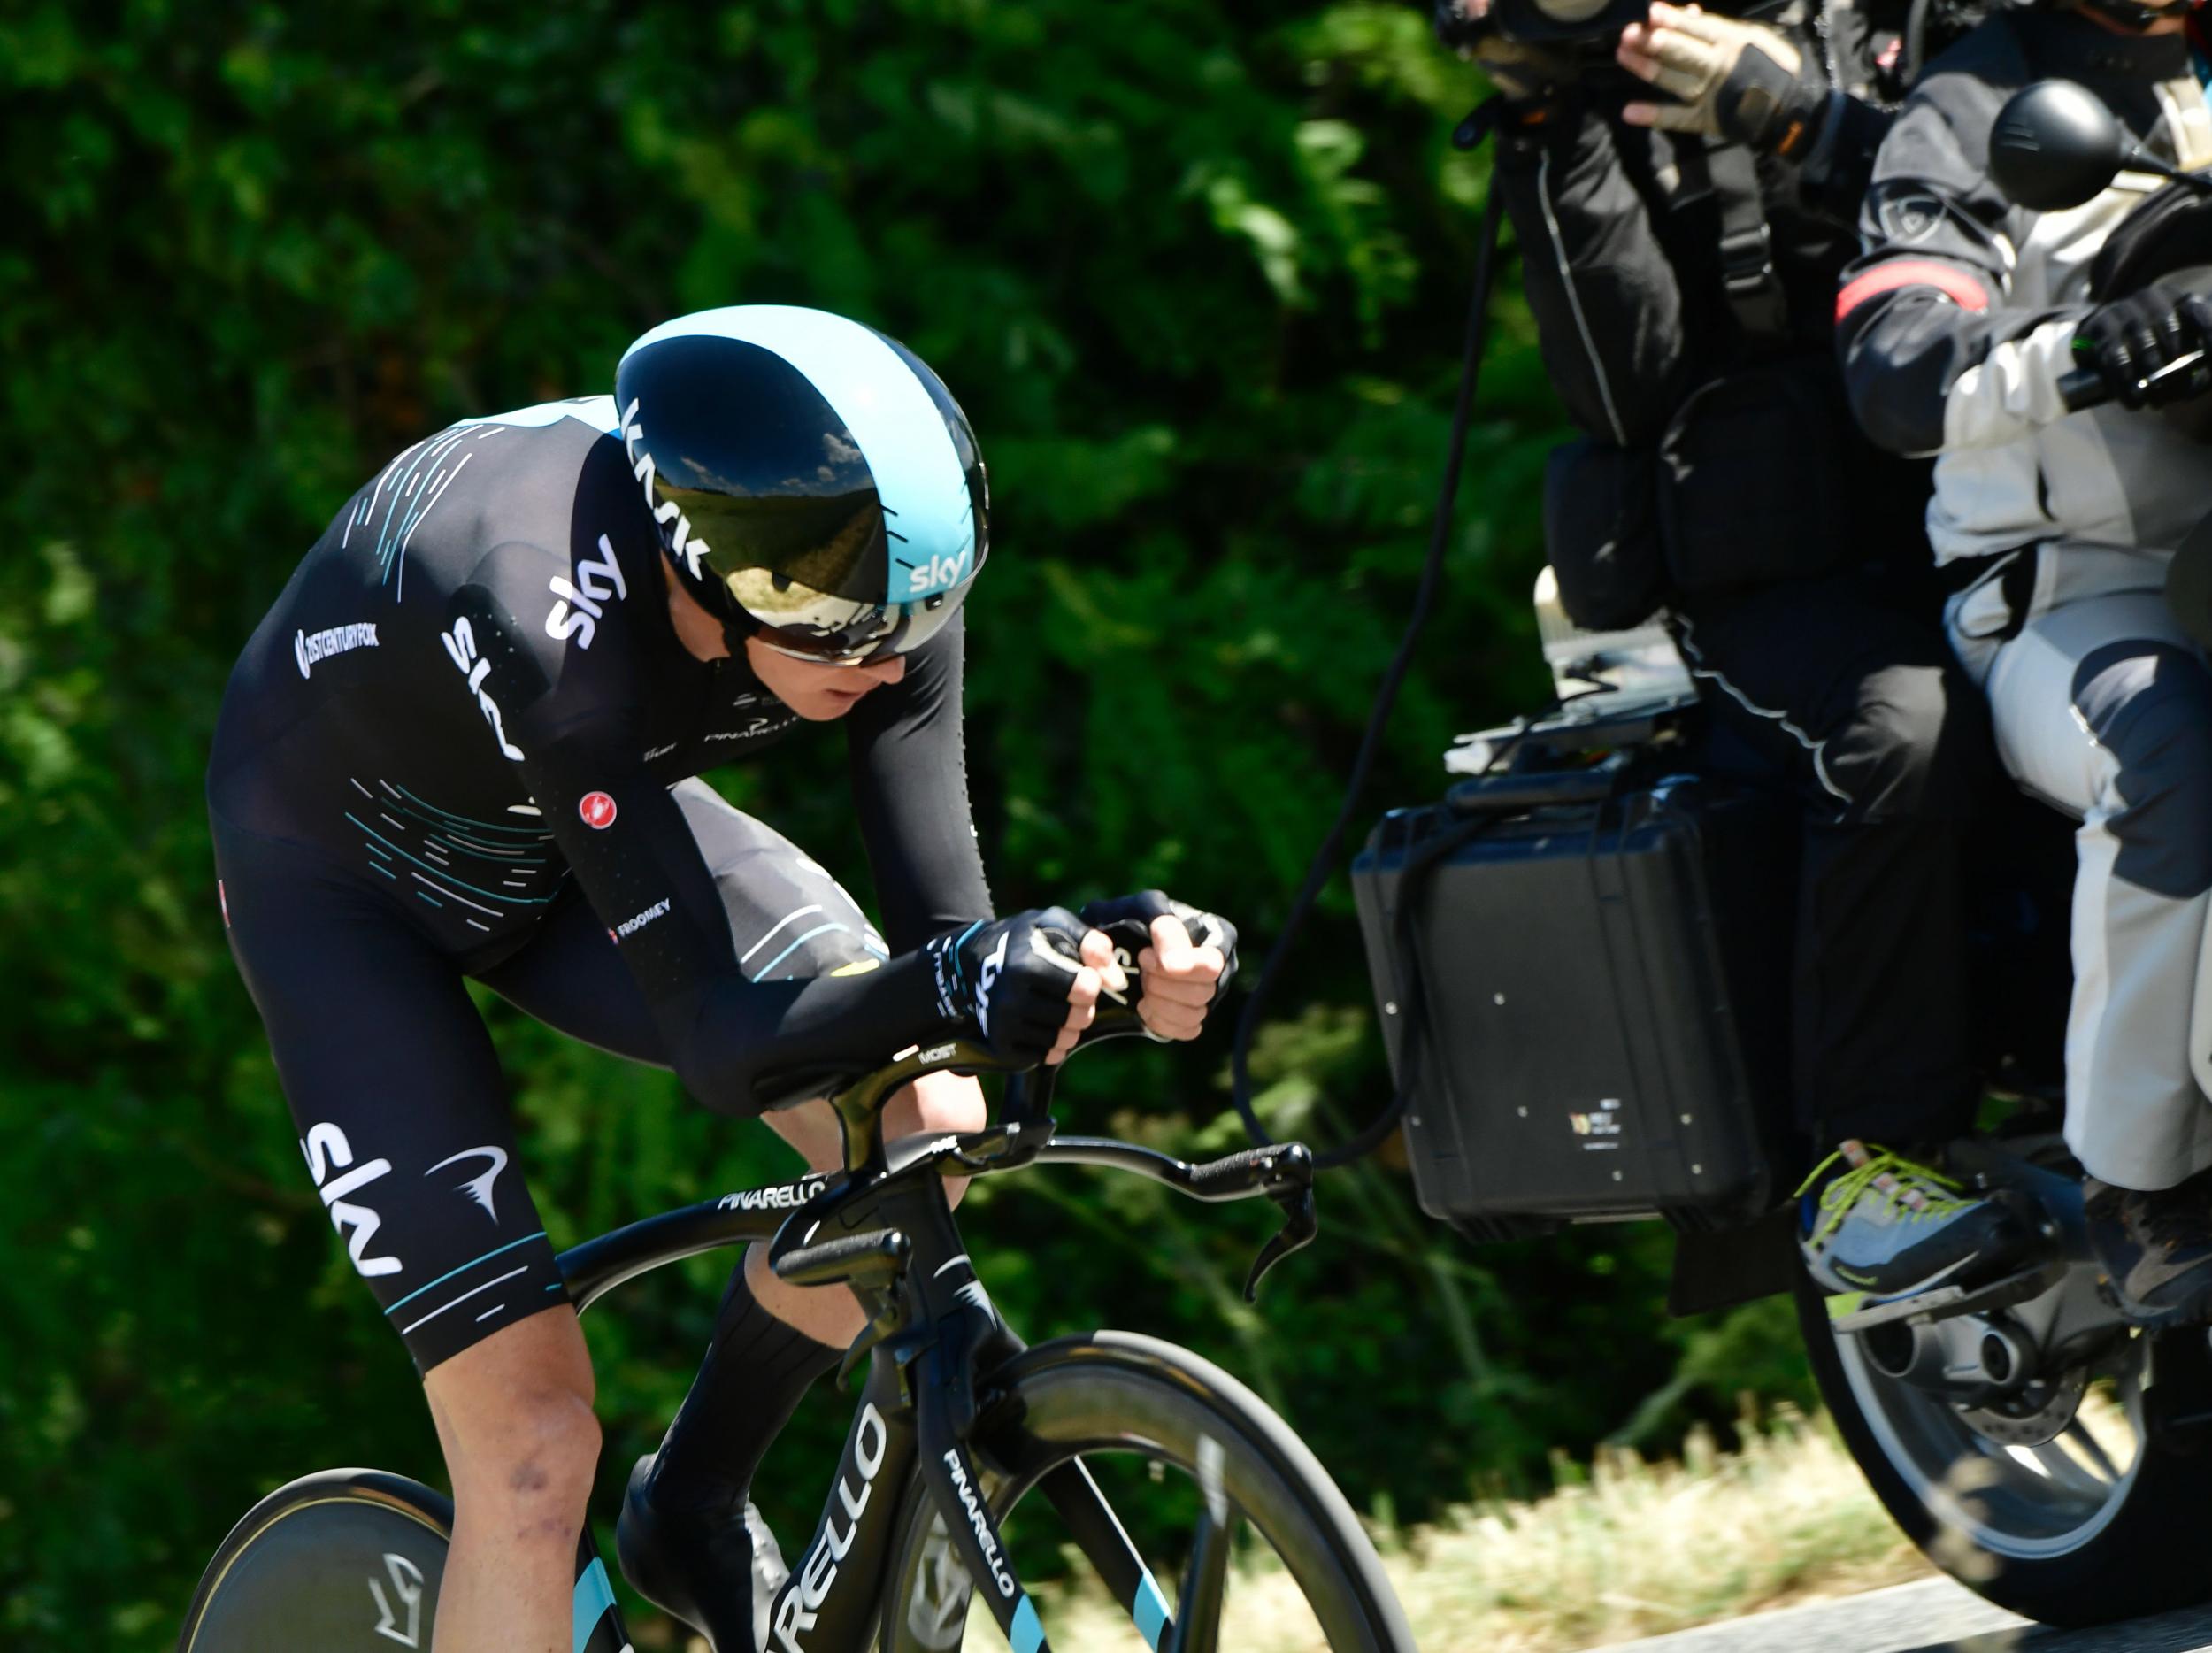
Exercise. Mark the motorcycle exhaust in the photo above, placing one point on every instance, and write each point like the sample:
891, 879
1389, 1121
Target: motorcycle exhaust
1968, 1359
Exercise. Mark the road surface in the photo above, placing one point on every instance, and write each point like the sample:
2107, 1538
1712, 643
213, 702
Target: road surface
1933, 1616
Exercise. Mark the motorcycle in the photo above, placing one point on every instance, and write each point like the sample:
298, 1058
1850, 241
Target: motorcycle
1581, 956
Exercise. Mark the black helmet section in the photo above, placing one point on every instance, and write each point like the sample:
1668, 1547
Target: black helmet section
816, 484
759, 469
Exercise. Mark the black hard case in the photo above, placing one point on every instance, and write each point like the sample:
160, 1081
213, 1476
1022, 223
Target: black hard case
1605, 967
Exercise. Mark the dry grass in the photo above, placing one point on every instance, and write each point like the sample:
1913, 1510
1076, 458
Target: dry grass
1628, 1549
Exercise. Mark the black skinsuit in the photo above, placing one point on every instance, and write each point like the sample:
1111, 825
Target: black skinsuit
461, 746
1836, 673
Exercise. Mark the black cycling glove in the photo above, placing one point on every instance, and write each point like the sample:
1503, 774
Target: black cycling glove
1007, 978
2139, 344
1128, 922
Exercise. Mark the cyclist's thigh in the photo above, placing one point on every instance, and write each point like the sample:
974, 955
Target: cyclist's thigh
789, 918
397, 1096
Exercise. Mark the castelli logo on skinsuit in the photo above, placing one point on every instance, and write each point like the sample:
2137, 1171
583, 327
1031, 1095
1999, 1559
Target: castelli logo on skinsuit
598, 811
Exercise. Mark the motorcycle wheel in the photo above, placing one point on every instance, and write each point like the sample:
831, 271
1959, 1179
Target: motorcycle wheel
2105, 1522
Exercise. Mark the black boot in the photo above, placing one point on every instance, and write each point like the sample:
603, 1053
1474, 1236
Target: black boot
2155, 1249
715, 1564
689, 1538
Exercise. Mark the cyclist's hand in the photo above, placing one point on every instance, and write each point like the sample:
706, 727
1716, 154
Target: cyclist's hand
1184, 957
1027, 984
1747, 81
2137, 344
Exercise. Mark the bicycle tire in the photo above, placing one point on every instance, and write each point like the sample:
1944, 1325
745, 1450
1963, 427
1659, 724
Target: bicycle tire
342, 1560
1111, 1392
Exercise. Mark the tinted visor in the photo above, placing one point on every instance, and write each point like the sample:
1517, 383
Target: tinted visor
835, 631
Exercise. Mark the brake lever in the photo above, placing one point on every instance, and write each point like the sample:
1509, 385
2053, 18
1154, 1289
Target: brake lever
1300, 1225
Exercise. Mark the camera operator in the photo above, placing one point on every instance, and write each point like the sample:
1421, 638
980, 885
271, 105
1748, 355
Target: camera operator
1680, 255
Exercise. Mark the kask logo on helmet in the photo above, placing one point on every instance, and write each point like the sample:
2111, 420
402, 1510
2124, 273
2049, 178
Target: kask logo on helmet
664, 511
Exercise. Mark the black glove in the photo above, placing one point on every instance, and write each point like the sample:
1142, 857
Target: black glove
1128, 922
1732, 78
2136, 344
1534, 80
1008, 979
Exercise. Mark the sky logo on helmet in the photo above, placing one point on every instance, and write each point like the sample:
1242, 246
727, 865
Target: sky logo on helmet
664, 511
939, 573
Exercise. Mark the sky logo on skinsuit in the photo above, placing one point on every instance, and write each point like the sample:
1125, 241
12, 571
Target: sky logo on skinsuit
460, 643
327, 1150
597, 811
598, 582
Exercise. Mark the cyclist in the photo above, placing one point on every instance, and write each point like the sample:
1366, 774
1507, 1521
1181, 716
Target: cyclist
464, 745
2054, 529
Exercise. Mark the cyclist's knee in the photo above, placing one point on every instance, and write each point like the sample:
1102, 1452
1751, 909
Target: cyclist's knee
935, 1102
939, 1103
514, 1414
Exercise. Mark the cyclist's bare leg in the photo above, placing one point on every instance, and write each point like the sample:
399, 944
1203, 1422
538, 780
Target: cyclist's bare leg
936, 1102
514, 1417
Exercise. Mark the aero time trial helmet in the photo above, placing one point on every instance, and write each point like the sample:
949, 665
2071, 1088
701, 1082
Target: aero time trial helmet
815, 483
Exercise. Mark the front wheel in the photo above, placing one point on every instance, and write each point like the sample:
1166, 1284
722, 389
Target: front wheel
2086, 1510
1151, 1464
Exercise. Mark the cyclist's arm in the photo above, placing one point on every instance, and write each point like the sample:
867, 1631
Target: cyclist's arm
910, 781
1936, 353
631, 853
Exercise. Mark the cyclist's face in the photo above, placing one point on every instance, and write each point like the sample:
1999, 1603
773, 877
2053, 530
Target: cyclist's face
817, 692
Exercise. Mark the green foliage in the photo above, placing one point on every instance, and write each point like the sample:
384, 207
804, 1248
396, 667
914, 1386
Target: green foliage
1195, 268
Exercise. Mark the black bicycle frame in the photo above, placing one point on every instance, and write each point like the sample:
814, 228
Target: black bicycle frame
884, 1226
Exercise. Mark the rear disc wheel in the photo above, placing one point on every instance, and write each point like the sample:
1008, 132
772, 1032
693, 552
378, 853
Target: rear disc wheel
344, 1561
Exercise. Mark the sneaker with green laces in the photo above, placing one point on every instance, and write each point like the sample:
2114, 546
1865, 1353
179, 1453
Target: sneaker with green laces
1874, 1222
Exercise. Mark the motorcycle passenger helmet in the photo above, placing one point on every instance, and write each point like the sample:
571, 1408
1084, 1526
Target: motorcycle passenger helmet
815, 483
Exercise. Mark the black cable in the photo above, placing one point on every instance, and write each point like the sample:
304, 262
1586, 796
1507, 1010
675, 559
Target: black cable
1324, 859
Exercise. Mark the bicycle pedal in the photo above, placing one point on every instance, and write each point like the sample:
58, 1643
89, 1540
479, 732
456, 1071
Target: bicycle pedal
1943, 1302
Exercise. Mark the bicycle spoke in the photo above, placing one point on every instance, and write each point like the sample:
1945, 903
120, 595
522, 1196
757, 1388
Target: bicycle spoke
1197, 1627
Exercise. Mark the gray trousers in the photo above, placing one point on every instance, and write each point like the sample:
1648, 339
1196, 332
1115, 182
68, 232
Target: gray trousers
2103, 707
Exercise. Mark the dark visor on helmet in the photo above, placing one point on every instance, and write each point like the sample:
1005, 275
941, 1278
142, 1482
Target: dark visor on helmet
873, 631
829, 543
